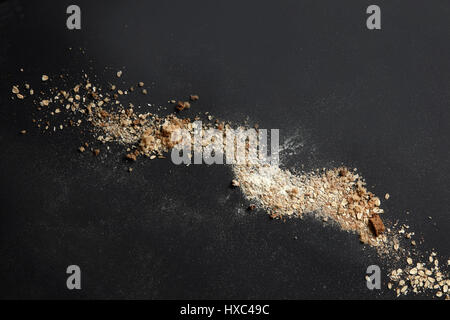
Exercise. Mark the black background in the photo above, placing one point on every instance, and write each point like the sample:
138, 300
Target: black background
375, 100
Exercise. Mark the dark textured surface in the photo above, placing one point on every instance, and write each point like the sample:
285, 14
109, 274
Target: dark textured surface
377, 101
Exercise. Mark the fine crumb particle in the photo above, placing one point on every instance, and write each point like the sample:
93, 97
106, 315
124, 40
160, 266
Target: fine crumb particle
141, 84
23, 131
96, 152
15, 89
44, 103
252, 207
234, 183
194, 97
144, 91
387, 196
81, 149
131, 156
119, 74
44, 77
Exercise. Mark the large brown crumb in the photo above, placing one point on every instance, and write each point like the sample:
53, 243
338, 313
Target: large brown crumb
376, 224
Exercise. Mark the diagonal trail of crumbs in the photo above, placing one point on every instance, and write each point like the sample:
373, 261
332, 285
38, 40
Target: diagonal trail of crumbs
338, 194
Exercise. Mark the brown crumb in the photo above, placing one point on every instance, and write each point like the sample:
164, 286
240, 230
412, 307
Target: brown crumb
180, 106
252, 207
194, 97
96, 152
81, 149
44, 77
131, 156
377, 224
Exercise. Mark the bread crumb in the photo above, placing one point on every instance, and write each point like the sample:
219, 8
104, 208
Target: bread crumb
131, 156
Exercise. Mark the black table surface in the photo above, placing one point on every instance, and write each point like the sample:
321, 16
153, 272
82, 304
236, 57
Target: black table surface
374, 100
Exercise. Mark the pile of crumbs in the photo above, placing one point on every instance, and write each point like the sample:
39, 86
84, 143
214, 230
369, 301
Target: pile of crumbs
340, 194
418, 277
337, 194
110, 120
